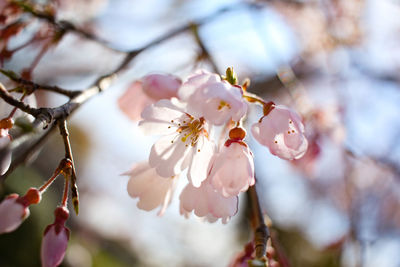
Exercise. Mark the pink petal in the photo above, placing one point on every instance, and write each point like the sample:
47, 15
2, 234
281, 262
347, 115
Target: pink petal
198, 168
151, 189
160, 86
168, 156
133, 101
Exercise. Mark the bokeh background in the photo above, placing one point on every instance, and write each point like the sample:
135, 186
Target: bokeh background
336, 62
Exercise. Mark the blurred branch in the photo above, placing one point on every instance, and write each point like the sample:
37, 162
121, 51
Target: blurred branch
261, 231
31, 86
205, 54
19, 158
63, 26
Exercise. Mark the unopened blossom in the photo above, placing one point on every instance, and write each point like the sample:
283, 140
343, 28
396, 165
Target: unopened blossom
55, 239
205, 201
14, 209
148, 90
161, 86
185, 142
282, 131
209, 97
151, 189
232, 169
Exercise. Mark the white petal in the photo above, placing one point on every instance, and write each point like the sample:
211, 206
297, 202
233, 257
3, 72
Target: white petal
169, 159
198, 168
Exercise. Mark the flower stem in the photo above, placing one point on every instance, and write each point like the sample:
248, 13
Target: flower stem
50, 181
65, 195
68, 154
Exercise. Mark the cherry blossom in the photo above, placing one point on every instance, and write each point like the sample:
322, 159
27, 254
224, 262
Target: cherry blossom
232, 169
210, 97
282, 131
148, 90
186, 141
55, 239
151, 189
205, 201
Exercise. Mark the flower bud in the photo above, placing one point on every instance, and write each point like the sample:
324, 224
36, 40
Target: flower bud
12, 213
160, 86
55, 239
282, 131
14, 209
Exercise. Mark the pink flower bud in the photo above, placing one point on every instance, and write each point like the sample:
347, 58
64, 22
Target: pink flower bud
232, 169
55, 239
12, 213
282, 131
161, 86
14, 209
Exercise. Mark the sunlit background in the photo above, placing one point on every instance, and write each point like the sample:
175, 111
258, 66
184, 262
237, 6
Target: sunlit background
336, 62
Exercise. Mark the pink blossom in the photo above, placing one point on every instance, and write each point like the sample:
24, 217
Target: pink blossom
206, 202
215, 100
161, 86
185, 142
282, 132
150, 89
232, 169
12, 213
151, 189
134, 100
55, 239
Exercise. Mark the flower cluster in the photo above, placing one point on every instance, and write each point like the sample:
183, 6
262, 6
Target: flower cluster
185, 115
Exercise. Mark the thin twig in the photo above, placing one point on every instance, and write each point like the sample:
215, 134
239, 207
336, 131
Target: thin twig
204, 51
31, 86
62, 26
62, 124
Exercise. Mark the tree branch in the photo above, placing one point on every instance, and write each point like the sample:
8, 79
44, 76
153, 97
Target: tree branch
31, 86
261, 231
62, 124
63, 26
